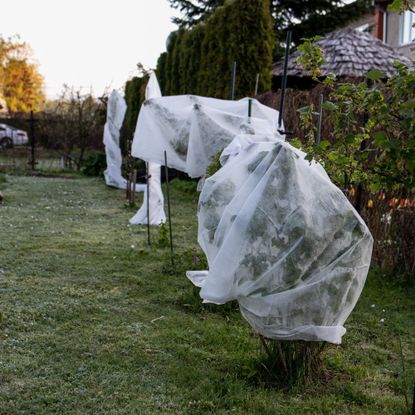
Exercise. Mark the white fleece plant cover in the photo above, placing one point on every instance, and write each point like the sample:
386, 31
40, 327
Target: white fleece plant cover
193, 129
116, 109
283, 240
156, 212
156, 208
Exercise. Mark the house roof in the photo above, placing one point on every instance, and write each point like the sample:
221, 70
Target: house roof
350, 53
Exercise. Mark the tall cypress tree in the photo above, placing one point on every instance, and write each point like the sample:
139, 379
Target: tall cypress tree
194, 58
168, 72
134, 95
252, 47
160, 71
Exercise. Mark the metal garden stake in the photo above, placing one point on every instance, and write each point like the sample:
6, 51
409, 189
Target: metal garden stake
320, 120
256, 85
284, 80
148, 205
233, 80
168, 207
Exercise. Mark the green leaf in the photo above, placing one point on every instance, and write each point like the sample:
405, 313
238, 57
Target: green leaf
304, 110
410, 165
375, 74
408, 105
396, 6
364, 156
330, 106
324, 144
350, 138
374, 187
333, 157
380, 137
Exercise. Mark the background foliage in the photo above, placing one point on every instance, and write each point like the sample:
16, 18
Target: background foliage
199, 61
305, 18
72, 124
20, 81
369, 151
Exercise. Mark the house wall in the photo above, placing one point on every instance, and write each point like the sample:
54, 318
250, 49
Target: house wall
394, 22
393, 28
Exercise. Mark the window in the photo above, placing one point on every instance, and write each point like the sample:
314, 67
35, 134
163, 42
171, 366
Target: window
364, 28
407, 29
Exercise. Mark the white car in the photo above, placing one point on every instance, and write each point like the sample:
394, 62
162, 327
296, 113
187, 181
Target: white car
11, 136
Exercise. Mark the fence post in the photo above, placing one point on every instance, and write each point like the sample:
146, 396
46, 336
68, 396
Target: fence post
32, 141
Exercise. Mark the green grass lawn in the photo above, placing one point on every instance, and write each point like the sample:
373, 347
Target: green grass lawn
93, 321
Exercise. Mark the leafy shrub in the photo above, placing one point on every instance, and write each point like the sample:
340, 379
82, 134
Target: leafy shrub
186, 186
94, 164
370, 152
163, 236
215, 165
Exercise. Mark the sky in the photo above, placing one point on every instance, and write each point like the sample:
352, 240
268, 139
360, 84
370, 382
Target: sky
89, 43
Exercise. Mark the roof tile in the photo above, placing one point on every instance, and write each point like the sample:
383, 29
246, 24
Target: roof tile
348, 52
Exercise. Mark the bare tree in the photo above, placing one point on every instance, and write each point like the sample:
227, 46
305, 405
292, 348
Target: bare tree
74, 123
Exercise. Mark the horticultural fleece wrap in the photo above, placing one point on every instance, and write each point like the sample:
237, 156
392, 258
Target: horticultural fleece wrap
193, 129
283, 240
116, 109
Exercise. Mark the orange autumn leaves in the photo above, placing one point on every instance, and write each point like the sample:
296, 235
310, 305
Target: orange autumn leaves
390, 202
21, 84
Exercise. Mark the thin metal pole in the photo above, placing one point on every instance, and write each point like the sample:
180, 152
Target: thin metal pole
256, 85
249, 110
168, 206
233, 80
320, 120
128, 188
148, 205
284, 79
